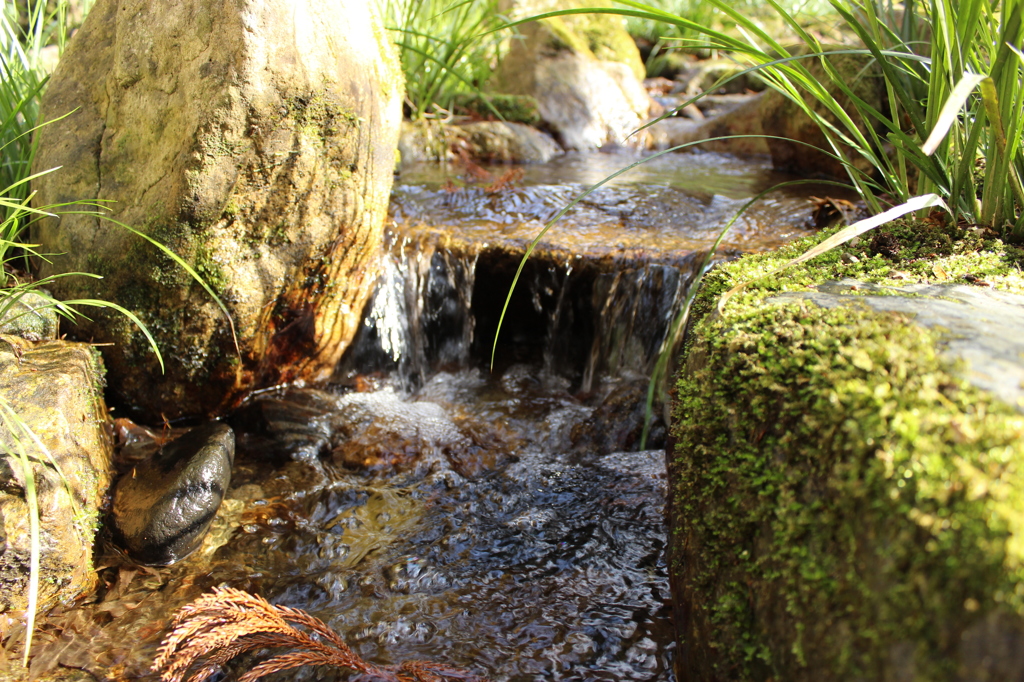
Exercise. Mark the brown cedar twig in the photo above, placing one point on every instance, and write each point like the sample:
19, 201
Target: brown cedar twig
216, 627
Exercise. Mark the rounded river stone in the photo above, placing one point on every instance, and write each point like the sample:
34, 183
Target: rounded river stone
163, 507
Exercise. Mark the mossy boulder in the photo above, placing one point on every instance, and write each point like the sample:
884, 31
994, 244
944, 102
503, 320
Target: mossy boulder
847, 503
584, 71
256, 140
55, 390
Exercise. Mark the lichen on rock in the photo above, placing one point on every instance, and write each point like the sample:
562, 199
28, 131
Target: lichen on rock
845, 504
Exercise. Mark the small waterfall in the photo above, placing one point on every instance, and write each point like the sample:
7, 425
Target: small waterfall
419, 319
634, 311
437, 308
597, 296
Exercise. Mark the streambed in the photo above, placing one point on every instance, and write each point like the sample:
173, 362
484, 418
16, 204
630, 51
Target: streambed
426, 507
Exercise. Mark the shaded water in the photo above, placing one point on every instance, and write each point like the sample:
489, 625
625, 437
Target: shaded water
428, 508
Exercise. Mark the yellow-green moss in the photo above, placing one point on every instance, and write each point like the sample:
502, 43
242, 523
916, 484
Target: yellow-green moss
320, 115
838, 491
599, 35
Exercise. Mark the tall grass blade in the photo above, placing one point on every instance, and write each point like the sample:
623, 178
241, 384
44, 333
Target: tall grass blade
950, 111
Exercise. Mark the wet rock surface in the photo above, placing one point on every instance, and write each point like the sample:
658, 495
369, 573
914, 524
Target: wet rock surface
56, 390
163, 507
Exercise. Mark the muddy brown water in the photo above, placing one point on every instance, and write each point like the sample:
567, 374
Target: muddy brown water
427, 507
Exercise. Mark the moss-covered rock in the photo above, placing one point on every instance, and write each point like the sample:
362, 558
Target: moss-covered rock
55, 390
584, 71
845, 504
29, 315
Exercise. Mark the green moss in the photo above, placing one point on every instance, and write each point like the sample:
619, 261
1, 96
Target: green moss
602, 36
838, 489
320, 115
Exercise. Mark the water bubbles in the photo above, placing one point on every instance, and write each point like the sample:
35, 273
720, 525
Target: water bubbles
408, 575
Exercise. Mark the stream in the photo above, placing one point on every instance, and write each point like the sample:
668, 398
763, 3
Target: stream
428, 507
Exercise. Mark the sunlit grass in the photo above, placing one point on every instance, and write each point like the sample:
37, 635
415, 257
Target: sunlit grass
447, 48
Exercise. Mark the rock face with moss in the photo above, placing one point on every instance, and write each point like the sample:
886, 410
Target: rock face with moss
54, 416
845, 490
255, 139
584, 71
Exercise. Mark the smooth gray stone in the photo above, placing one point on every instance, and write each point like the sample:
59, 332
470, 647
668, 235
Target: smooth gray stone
163, 508
982, 327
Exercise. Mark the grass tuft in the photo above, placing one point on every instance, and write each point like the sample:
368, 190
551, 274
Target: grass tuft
447, 47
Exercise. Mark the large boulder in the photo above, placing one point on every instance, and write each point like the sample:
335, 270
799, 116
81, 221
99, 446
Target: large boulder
256, 140
53, 413
847, 467
584, 71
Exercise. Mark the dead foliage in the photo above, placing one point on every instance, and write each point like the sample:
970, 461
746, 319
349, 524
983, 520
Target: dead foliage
218, 626
506, 179
475, 174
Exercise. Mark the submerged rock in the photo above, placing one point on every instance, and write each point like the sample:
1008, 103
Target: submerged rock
163, 507
617, 425
381, 432
846, 472
56, 390
482, 141
255, 139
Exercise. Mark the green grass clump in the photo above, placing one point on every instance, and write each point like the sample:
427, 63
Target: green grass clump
447, 48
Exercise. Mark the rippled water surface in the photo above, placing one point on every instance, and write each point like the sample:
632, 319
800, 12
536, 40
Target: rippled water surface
667, 206
459, 524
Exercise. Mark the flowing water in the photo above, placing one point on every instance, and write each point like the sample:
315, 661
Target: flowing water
427, 507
